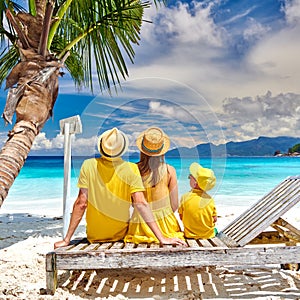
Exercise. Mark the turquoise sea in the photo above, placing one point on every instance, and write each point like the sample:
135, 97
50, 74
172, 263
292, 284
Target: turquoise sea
240, 181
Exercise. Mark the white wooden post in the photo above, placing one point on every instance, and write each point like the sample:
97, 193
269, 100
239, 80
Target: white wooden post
68, 126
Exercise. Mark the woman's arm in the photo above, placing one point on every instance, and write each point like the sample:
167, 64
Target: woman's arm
173, 187
144, 210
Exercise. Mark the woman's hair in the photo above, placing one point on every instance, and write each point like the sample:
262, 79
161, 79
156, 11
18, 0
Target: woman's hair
149, 165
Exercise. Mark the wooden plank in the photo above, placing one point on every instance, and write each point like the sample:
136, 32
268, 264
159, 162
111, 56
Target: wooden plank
105, 245
205, 243
51, 273
184, 257
168, 246
269, 237
92, 247
286, 224
218, 243
79, 247
192, 243
69, 247
117, 245
142, 246
129, 245
154, 246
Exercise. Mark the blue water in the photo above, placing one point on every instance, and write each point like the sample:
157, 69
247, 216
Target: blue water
240, 181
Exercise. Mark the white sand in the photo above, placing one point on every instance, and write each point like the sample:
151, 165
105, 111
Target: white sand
22, 276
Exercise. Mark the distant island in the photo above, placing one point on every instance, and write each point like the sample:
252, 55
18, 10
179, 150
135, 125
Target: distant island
262, 146
294, 151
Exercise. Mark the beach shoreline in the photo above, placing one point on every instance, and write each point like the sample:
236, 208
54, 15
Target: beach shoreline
29, 237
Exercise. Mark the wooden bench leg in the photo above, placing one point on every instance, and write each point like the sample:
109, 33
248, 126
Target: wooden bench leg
51, 273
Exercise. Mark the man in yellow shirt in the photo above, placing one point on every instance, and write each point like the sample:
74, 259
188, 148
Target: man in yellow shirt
197, 209
108, 186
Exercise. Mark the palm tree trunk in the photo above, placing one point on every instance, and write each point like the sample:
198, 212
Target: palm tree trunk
33, 85
14, 154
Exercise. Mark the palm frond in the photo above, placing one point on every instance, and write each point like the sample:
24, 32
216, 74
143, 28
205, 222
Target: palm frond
73, 64
8, 59
7, 31
101, 31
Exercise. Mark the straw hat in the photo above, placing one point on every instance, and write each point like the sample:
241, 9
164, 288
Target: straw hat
153, 142
113, 143
205, 177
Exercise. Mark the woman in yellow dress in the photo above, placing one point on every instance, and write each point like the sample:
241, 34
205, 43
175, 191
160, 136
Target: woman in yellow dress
160, 182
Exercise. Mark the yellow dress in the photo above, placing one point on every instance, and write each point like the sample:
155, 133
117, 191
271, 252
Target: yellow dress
159, 202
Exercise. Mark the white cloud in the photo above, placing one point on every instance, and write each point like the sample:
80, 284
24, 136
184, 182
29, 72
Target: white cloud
266, 115
79, 146
292, 11
41, 142
182, 24
255, 30
275, 58
3, 138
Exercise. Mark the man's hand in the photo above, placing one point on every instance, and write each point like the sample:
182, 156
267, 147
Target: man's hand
172, 241
62, 243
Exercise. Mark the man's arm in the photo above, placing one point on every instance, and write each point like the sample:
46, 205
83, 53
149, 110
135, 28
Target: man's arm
143, 208
79, 208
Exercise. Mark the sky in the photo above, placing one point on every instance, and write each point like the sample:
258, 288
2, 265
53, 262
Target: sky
204, 71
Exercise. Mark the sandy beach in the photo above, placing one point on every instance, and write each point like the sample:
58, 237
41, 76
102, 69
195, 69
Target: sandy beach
25, 239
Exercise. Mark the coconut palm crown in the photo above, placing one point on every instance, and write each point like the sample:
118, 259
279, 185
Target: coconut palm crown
83, 36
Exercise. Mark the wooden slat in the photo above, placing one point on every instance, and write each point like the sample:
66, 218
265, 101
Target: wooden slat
142, 245
205, 243
129, 245
218, 243
269, 237
92, 247
106, 245
192, 243
117, 245
154, 246
79, 247
289, 226
66, 248
168, 246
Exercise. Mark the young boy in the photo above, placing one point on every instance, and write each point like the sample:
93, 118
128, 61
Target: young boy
197, 209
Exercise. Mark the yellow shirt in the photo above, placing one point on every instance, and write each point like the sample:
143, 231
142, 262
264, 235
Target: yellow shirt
197, 210
110, 183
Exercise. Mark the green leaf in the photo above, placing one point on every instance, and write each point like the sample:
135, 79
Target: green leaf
8, 59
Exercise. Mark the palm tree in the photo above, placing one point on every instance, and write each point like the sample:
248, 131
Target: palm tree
81, 35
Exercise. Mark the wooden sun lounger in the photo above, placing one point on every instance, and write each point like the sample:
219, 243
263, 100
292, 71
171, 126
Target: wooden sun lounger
117, 255
264, 213
223, 250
